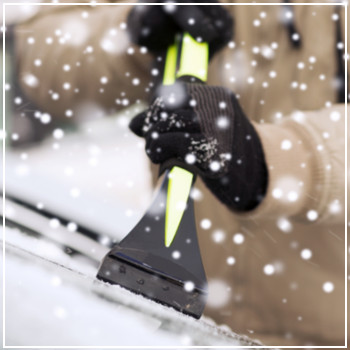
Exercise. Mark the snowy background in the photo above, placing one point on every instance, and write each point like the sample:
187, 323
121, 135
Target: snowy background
96, 174
52, 305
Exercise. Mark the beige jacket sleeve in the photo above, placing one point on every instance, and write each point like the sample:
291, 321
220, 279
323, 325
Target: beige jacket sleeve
306, 159
68, 55
306, 163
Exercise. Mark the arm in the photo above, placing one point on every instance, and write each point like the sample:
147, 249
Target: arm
86, 61
316, 160
305, 155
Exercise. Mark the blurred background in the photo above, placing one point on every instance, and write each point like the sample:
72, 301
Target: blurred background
74, 156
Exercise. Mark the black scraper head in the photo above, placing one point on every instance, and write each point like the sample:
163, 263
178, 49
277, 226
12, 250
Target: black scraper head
173, 276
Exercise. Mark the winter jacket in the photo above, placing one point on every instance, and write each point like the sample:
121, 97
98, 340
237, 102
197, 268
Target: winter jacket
275, 273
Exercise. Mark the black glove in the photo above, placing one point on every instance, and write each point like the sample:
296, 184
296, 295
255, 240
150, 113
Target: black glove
155, 26
205, 127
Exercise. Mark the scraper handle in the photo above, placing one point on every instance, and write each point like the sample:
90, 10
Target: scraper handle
186, 57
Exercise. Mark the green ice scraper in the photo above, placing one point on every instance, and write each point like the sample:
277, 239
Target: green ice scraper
160, 258
194, 63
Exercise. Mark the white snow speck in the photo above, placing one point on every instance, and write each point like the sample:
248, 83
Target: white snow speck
196, 194
238, 238
189, 286
284, 225
269, 269
218, 236
223, 122
176, 254
256, 23
190, 158
191, 21
17, 100
40, 206
335, 207
231, 260
154, 135
288, 14
272, 74
143, 50
114, 42
292, 196
105, 240
193, 103
31, 80
335, 116
277, 193
214, 166
72, 226
154, 72
301, 65
130, 51
312, 59
89, 49
328, 287
205, 224
250, 80
286, 145
54, 223
136, 81
219, 293
231, 45
45, 118
312, 215
58, 134
295, 36
169, 8
69, 113
104, 80
55, 96
340, 46
66, 86
267, 52
222, 104
306, 254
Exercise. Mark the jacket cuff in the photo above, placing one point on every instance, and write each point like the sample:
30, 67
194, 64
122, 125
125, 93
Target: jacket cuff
293, 172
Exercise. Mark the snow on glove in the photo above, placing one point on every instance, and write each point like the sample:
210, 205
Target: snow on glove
205, 127
155, 26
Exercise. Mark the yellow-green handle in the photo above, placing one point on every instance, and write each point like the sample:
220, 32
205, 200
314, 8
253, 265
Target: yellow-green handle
193, 61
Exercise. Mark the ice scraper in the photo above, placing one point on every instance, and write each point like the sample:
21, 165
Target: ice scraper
160, 258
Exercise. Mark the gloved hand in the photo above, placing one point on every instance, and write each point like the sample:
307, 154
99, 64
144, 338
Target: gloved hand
155, 26
205, 127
